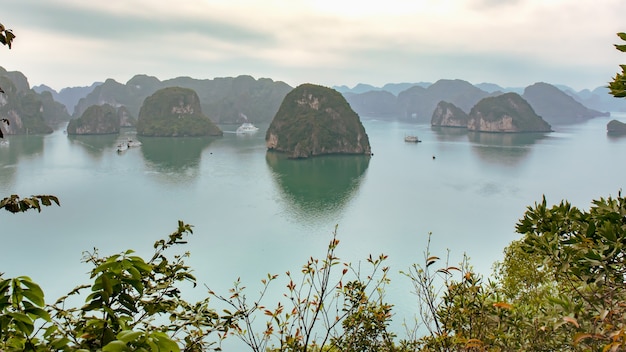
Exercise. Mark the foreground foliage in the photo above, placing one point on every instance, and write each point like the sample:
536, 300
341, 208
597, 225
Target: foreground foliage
324, 309
617, 87
132, 305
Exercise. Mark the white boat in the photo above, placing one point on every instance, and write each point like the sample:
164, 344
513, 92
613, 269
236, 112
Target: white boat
122, 147
4, 143
246, 127
411, 139
132, 143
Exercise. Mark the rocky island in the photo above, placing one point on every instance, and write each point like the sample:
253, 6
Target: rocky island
314, 120
616, 128
508, 112
448, 115
97, 119
174, 112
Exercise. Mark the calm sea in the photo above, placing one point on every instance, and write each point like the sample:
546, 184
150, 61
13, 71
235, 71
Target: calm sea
256, 213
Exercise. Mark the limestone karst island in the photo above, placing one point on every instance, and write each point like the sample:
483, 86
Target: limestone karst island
314, 120
174, 112
508, 112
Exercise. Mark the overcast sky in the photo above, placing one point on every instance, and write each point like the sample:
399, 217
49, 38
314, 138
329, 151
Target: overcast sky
513, 43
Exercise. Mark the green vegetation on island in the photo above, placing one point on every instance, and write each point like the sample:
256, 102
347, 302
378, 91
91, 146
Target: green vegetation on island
97, 119
315, 120
508, 112
174, 112
225, 100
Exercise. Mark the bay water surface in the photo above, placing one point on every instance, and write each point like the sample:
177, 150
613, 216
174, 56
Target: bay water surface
256, 213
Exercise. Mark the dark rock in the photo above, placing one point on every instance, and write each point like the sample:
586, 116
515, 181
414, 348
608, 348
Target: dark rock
616, 128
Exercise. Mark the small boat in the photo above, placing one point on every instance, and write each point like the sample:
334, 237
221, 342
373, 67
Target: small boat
411, 139
131, 143
4, 143
122, 147
246, 127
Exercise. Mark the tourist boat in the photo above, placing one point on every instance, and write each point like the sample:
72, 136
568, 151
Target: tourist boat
246, 127
411, 139
132, 143
122, 147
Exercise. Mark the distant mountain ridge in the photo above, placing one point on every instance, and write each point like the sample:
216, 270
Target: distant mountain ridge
556, 106
67, 96
420, 101
223, 100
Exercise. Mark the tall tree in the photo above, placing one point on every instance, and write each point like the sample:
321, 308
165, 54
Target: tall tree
618, 86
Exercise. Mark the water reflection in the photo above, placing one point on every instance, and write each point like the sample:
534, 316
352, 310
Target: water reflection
450, 134
95, 145
13, 149
509, 148
320, 186
174, 154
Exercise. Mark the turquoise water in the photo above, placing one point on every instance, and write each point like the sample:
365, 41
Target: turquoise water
256, 213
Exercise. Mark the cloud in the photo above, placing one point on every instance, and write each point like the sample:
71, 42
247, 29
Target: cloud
380, 41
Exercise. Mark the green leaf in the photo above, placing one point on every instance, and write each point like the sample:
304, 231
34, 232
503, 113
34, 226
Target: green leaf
20, 317
39, 313
60, 343
164, 343
115, 346
34, 292
128, 335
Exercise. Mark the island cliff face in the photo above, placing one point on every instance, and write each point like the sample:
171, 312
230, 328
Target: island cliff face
22, 107
314, 120
174, 112
97, 119
448, 115
508, 112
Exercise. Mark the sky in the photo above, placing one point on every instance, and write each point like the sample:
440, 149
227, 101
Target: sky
512, 43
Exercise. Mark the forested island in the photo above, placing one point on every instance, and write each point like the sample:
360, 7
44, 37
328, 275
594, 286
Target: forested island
314, 120
233, 100
174, 112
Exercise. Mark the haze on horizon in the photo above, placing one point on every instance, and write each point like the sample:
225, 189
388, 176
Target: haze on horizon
513, 43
